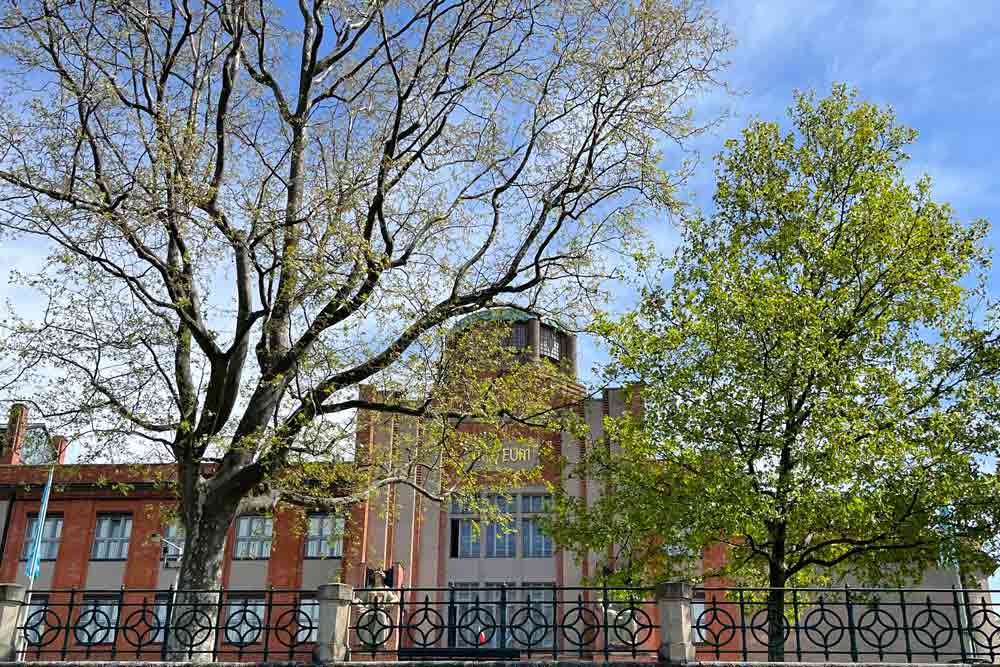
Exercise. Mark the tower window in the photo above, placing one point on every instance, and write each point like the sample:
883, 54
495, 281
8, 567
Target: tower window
518, 335
549, 344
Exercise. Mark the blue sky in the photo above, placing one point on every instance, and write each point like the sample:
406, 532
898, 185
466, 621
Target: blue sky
935, 62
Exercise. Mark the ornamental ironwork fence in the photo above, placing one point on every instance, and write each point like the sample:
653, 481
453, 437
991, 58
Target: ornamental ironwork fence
850, 624
506, 622
133, 624
503, 622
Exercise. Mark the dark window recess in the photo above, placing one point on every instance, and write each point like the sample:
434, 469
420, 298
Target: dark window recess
519, 334
549, 344
454, 538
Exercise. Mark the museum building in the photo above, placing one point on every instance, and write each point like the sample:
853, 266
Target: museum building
108, 527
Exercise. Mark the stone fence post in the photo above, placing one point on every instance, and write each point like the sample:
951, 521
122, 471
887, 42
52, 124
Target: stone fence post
11, 601
673, 602
334, 622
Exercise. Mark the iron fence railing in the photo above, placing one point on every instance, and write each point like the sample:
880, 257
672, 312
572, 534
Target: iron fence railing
852, 624
503, 622
134, 624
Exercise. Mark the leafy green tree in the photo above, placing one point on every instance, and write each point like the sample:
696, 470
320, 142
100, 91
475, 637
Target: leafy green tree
819, 380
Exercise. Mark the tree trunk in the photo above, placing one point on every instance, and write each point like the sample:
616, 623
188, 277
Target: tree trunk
776, 615
195, 611
777, 577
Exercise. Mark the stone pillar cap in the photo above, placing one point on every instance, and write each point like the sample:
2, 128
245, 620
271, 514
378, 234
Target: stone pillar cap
335, 591
12, 593
674, 590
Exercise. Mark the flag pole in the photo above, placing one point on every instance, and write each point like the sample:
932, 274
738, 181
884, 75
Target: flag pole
33, 564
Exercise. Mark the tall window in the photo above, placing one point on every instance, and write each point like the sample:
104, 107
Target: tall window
253, 538
111, 537
549, 343
501, 541
307, 620
326, 536
464, 539
51, 533
98, 621
519, 335
244, 621
534, 542
173, 540
465, 542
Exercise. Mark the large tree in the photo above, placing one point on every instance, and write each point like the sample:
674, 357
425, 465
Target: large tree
818, 378
326, 188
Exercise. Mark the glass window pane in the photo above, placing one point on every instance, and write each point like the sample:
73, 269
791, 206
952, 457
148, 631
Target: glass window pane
307, 620
253, 537
111, 536
468, 540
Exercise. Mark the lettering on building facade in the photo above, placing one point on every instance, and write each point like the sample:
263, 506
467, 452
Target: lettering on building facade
516, 455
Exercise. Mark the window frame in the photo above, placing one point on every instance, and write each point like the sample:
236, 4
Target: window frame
698, 606
174, 532
29, 537
497, 534
531, 533
472, 546
121, 544
325, 548
519, 335
549, 343
313, 632
252, 539
162, 604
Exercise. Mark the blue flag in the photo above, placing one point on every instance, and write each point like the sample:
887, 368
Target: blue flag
34, 562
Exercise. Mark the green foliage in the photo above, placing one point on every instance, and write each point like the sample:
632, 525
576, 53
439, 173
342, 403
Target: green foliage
819, 379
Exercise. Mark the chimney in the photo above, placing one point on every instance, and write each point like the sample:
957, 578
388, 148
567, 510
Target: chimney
17, 428
59, 444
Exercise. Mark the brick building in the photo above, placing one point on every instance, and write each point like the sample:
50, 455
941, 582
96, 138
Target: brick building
108, 527
103, 520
